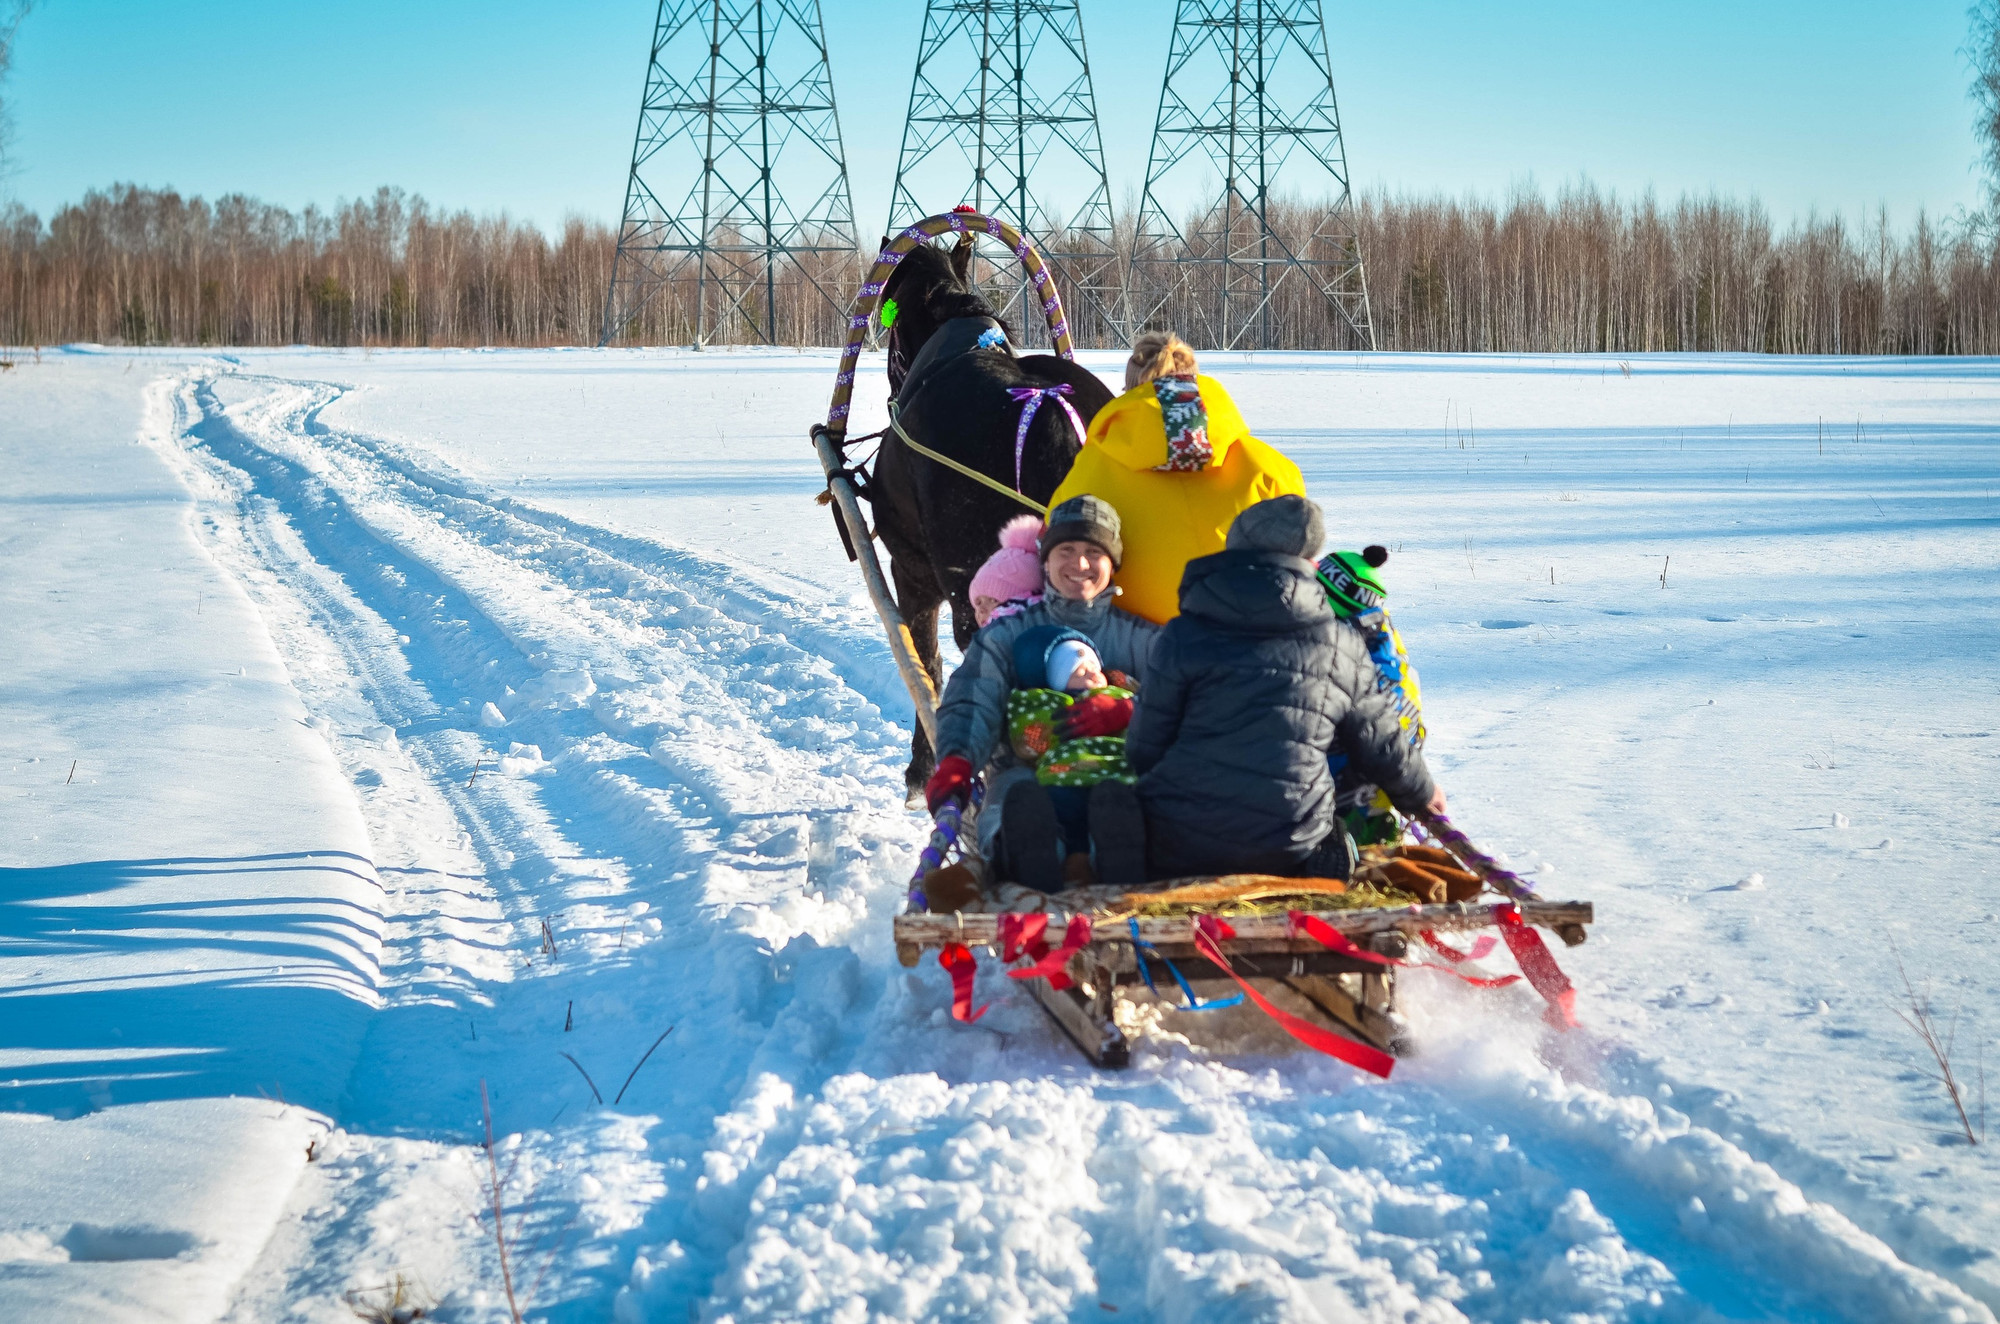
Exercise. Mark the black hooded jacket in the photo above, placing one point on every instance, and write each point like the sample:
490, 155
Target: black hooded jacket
1247, 691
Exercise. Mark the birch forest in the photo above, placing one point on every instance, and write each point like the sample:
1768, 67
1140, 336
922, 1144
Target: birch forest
1582, 271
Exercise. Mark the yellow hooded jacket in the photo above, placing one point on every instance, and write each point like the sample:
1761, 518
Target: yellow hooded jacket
1169, 518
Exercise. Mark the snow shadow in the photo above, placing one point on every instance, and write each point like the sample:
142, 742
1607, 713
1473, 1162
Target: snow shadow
203, 972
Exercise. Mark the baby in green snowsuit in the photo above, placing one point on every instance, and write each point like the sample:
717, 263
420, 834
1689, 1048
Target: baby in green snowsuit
1067, 664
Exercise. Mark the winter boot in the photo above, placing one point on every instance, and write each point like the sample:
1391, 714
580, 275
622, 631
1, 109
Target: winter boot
1118, 834
1030, 838
1332, 858
950, 889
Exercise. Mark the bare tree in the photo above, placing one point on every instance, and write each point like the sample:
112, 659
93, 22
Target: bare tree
1983, 50
11, 15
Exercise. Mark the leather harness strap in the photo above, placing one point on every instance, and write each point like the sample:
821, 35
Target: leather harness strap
966, 469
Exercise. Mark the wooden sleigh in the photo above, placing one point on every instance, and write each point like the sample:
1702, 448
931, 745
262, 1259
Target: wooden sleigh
1356, 997
1342, 966
1339, 964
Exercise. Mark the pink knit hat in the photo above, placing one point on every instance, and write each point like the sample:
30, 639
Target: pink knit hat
1015, 571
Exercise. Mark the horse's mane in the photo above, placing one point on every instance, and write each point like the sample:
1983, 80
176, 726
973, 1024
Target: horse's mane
948, 304
944, 297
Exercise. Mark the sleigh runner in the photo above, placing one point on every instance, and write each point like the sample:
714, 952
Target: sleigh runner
1337, 951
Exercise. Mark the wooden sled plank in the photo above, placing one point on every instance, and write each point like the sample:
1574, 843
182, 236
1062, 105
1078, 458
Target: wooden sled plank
1371, 1018
1194, 967
1258, 934
1086, 1020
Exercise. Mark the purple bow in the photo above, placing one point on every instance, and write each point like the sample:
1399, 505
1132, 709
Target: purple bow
1031, 398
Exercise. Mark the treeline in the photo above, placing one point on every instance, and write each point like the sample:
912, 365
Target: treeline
142, 267
1584, 271
1589, 273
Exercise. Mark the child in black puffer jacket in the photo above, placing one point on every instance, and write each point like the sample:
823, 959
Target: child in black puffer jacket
1249, 689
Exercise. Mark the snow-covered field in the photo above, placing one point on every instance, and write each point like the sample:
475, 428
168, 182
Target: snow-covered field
385, 728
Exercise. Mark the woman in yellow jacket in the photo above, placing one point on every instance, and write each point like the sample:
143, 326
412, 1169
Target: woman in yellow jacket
1174, 459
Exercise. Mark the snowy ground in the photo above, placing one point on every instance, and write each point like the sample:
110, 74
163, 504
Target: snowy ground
434, 716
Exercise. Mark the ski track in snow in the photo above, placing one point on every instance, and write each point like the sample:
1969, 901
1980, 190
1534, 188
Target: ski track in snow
697, 790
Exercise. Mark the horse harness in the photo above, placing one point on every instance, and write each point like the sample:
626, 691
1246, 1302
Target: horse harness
963, 335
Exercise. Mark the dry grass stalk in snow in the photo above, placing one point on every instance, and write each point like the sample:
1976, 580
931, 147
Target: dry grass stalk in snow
546, 1246
494, 1186
586, 1077
1923, 1023
399, 1301
640, 1063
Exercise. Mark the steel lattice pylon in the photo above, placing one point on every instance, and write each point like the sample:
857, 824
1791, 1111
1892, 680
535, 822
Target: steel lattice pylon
738, 180
1002, 116
1248, 97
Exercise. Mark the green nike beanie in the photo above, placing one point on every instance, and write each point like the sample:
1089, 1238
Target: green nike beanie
1350, 581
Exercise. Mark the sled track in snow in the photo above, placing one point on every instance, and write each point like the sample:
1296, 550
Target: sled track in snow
821, 1133
668, 772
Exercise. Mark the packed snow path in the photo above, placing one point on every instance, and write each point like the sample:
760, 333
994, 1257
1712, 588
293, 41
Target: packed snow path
624, 769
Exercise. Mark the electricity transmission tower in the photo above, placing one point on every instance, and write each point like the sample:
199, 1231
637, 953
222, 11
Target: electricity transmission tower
1002, 116
1247, 105
737, 208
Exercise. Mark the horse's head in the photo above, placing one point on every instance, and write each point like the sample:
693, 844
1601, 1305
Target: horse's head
930, 288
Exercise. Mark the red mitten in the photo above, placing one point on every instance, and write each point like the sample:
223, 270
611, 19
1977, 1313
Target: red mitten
1098, 715
951, 781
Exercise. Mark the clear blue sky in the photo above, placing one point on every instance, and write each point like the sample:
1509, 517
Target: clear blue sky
1835, 105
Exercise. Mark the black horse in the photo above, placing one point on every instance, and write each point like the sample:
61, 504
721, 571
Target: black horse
953, 396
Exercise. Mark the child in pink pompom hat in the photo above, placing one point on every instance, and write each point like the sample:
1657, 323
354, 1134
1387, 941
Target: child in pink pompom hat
1011, 579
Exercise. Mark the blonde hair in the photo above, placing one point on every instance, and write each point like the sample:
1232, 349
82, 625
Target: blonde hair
1158, 354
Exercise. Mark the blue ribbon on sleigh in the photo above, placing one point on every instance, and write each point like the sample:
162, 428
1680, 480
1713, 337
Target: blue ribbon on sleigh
1193, 1003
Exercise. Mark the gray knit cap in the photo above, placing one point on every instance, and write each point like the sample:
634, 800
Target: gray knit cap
1288, 524
1085, 519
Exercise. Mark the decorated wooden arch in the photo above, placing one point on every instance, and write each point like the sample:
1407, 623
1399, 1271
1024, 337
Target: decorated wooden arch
869, 297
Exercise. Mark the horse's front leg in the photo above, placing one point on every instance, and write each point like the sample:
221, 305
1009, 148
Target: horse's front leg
918, 600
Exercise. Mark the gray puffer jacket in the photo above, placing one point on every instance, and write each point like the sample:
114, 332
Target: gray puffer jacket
972, 715
1250, 688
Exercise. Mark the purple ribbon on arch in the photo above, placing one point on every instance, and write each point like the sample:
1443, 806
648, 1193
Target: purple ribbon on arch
1031, 398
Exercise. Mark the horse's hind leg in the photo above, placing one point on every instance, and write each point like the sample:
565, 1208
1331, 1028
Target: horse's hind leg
918, 599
